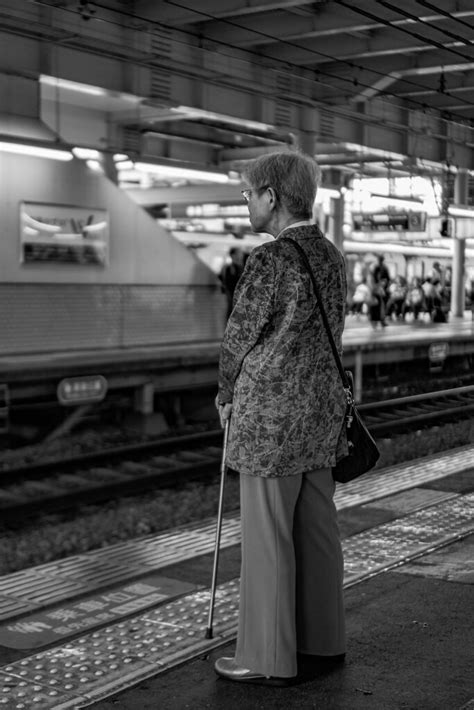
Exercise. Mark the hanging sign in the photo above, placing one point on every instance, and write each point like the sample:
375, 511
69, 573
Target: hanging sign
389, 222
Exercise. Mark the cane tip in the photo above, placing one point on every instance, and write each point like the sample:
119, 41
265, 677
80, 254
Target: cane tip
208, 633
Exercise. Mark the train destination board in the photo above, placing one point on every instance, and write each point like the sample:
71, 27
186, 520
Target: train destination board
389, 222
63, 234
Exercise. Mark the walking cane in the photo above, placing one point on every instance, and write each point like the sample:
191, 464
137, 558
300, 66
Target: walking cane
218, 531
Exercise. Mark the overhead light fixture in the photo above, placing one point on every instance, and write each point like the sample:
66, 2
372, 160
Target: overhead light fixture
58, 83
398, 198
95, 166
86, 153
201, 114
37, 151
71, 85
376, 152
175, 172
125, 165
461, 211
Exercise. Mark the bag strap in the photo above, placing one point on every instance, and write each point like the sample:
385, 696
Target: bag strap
345, 380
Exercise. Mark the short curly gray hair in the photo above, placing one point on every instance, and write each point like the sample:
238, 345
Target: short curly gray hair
294, 177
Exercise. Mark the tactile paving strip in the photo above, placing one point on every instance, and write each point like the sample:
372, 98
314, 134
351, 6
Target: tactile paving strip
104, 662
389, 544
116, 656
32, 589
410, 500
393, 479
44, 585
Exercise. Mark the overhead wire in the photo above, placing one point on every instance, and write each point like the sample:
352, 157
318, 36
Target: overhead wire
290, 43
429, 24
446, 14
328, 56
391, 23
318, 72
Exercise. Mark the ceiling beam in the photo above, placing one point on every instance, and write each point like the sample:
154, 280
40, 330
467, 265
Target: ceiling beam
328, 20
180, 13
349, 48
393, 76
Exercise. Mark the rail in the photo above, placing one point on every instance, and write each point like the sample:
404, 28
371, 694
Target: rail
50, 486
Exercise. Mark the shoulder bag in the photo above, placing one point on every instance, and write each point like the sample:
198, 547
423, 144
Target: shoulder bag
363, 453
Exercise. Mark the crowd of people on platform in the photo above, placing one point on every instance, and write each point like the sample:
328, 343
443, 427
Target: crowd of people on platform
380, 297
384, 299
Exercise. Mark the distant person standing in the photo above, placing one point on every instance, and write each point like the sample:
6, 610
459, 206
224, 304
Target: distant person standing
361, 298
380, 272
376, 311
436, 275
415, 300
230, 275
381, 282
397, 292
431, 294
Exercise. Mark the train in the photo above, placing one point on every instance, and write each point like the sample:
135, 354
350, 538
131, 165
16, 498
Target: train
83, 267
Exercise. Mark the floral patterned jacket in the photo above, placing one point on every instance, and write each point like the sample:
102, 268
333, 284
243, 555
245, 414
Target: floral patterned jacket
276, 365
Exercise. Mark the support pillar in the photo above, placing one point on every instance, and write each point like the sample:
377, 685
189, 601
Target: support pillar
358, 367
457, 282
144, 398
459, 253
336, 222
306, 143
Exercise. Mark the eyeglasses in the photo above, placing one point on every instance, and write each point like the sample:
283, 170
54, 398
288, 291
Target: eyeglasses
246, 194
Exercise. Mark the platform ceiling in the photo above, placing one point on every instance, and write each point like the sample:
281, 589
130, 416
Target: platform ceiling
372, 87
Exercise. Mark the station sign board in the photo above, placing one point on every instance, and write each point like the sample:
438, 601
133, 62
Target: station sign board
73, 391
389, 221
438, 352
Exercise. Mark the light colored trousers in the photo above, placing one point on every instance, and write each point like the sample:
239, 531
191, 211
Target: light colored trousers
291, 596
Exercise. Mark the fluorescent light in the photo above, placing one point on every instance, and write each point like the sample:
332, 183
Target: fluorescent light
124, 165
398, 198
95, 165
198, 113
36, 151
461, 211
171, 171
352, 246
86, 153
120, 157
57, 83
72, 85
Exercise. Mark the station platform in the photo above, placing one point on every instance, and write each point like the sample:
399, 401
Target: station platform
175, 367
124, 627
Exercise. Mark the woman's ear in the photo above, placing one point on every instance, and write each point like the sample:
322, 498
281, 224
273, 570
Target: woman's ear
273, 197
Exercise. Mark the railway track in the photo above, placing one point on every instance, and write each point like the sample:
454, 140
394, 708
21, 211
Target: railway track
404, 414
51, 486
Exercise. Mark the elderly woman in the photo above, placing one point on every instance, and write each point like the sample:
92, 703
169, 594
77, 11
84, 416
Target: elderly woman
279, 384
